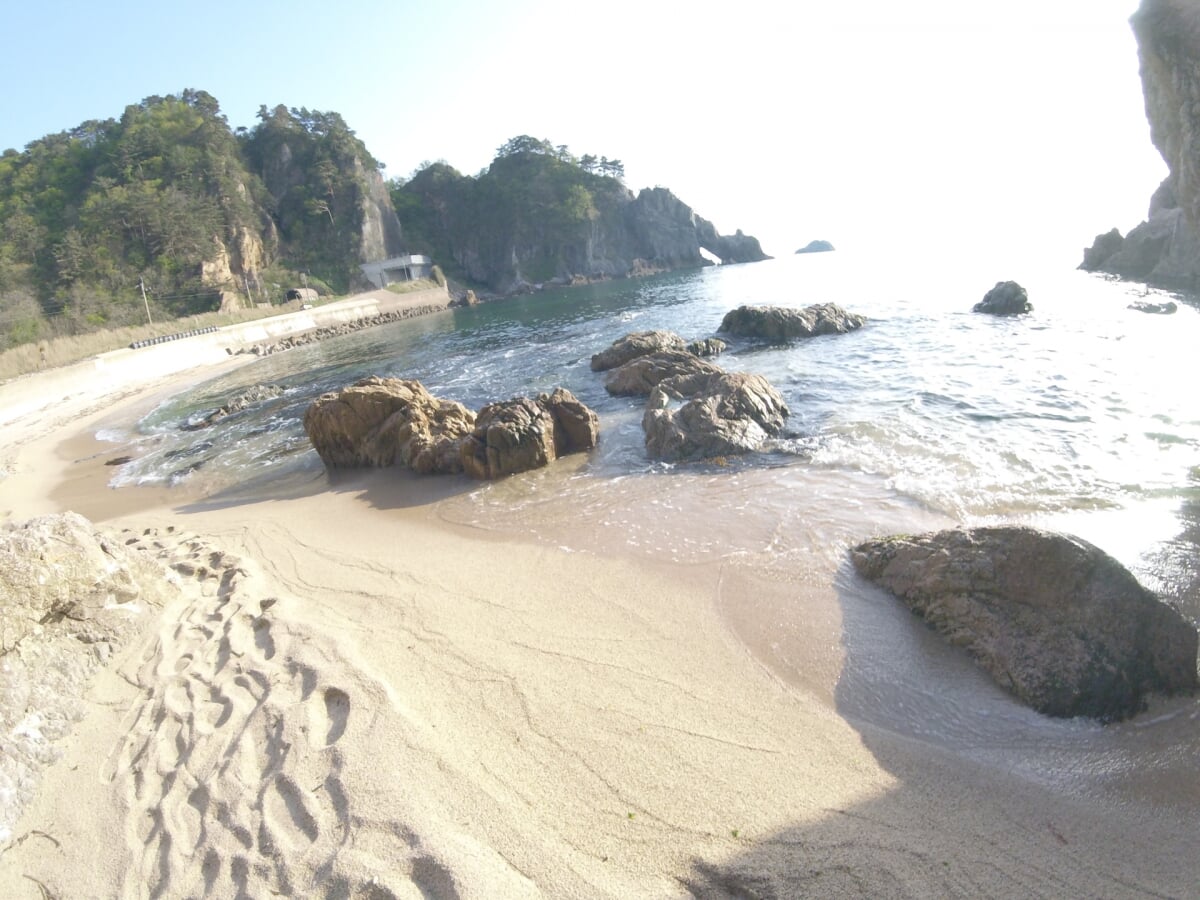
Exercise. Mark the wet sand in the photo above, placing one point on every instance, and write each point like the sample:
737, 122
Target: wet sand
356, 692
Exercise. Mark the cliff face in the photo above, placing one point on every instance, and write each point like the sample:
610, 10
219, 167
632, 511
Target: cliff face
533, 219
1165, 249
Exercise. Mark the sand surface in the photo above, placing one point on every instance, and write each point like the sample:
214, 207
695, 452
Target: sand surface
351, 697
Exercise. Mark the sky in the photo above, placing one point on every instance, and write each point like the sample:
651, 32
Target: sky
872, 123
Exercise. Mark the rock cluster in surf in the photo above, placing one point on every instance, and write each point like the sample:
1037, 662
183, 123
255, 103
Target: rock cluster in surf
381, 422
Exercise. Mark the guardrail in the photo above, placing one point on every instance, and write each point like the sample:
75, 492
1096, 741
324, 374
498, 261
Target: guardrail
150, 342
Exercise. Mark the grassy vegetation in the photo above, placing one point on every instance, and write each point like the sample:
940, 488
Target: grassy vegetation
62, 351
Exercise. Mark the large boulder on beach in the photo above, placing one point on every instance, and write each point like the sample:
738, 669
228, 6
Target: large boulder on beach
385, 422
721, 414
521, 434
780, 323
638, 377
1007, 298
631, 346
1052, 618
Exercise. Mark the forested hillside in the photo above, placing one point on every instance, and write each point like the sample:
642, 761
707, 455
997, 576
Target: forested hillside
540, 214
169, 198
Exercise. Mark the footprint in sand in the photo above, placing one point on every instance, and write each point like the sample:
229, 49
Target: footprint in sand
328, 716
286, 819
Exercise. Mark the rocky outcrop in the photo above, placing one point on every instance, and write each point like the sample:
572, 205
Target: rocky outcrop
1007, 298
708, 347
633, 345
638, 377
1050, 617
1156, 309
382, 422
779, 323
511, 229
252, 396
521, 434
71, 597
816, 247
722, 414
379, 235
1165, 249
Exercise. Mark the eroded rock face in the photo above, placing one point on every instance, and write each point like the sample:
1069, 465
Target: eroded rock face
61, 567
1050, 617
576, 426
1007, 298
388, 421
638, 377
510, 436
780, 323
521, 434
71, 596
722, 414
631, 346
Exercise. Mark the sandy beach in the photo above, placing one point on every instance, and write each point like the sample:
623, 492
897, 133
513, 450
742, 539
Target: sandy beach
349, 695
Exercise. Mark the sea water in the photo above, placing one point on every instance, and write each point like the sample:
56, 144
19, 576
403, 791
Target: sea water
1079, 416
1083, 406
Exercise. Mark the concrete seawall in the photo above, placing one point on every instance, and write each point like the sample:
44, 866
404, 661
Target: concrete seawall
120, 370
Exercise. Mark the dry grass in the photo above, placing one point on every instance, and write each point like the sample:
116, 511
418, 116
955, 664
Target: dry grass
409, 287
63, 351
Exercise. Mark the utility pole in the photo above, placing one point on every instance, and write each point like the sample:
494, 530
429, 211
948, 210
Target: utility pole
145, 302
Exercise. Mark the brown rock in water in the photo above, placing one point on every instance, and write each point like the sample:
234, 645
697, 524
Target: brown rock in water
576, 426
388, 421
631, 346
1053, 619
521, 434
638, 377
724, 413
779, 323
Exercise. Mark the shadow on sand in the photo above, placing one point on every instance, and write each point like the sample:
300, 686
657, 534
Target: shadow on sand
990, 798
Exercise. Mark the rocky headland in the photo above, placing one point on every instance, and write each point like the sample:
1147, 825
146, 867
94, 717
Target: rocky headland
1164, 250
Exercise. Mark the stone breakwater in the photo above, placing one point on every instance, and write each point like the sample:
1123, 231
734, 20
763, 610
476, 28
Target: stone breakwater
319, 334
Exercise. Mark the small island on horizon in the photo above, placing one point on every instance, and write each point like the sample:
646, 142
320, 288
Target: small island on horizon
816, 247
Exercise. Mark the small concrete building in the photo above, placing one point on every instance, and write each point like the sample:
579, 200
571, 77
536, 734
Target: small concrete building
398, 268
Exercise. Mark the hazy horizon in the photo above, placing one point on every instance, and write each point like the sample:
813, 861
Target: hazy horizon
871, 126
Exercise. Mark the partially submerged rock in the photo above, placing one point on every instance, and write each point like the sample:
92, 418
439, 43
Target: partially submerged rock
521, 434
708, 347
252, 396
1159, 309
388, 421
780, 323
723, 413
1050, 617
631, 346
1007, 298
638, 377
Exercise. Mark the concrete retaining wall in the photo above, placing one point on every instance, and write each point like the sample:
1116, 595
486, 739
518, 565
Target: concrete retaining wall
127, 369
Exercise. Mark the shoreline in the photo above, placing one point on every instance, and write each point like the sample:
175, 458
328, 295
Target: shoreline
362, 689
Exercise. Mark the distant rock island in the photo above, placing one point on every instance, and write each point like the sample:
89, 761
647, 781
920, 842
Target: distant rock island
1164, 250
816, 247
